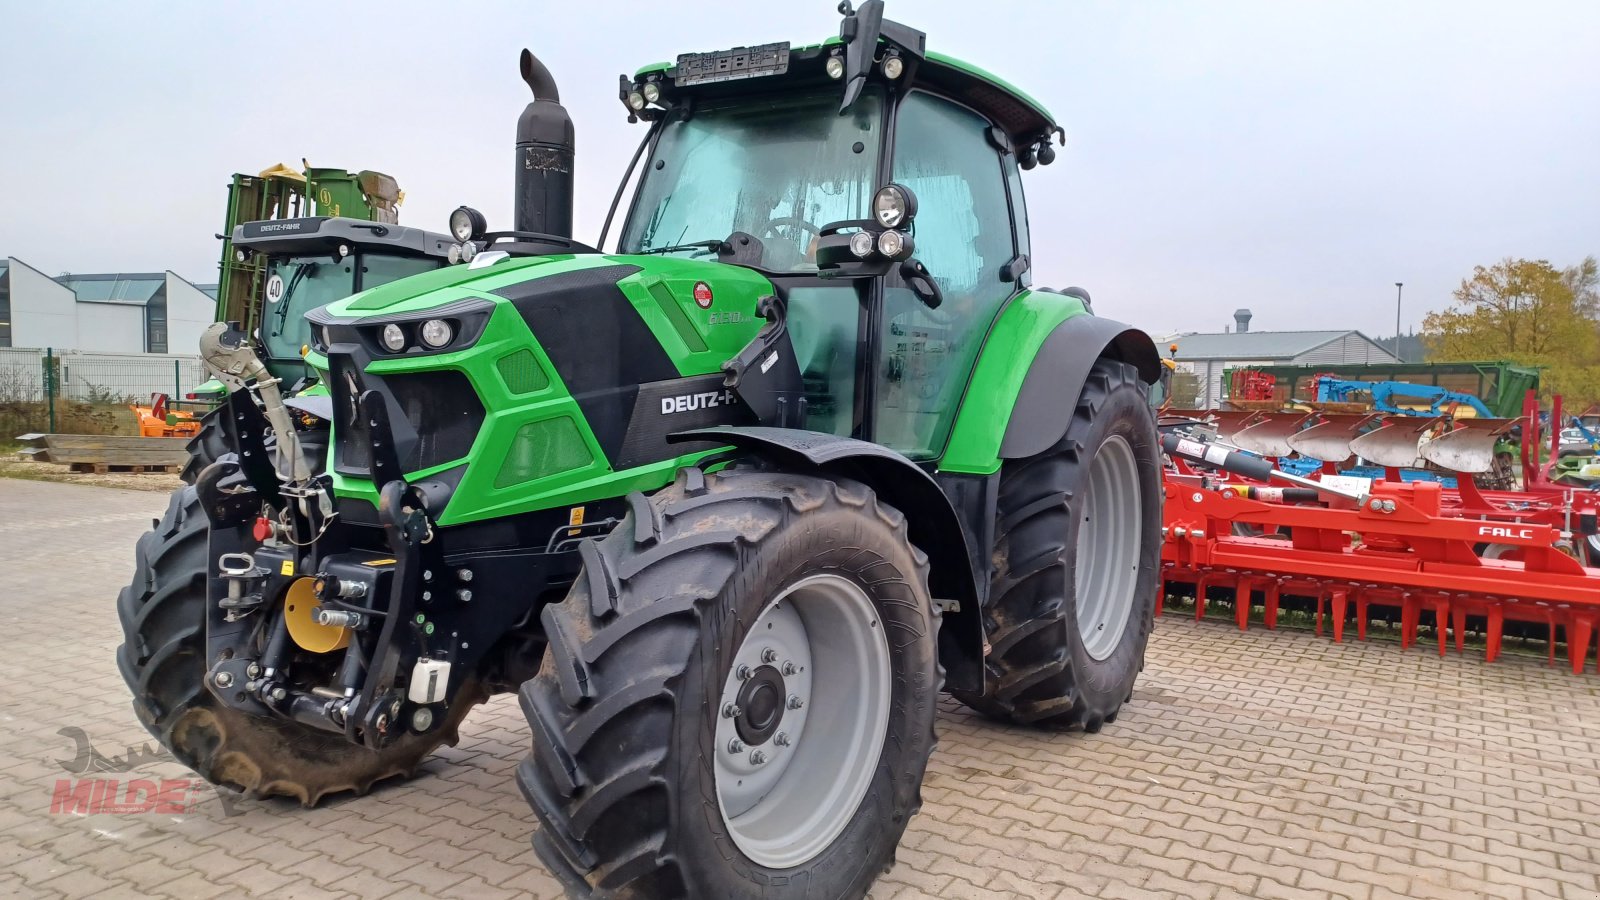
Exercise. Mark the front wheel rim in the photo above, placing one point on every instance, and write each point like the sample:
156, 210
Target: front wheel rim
801, 721
1109, 525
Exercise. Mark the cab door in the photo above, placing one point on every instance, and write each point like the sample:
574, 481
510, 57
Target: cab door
964, 234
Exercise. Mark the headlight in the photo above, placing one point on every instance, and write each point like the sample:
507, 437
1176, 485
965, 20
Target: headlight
468, 251
835, 67
453, 254
894, 244
652, 91
892, 205
393, 338
861, 244
635, 101
436, 333
467, 224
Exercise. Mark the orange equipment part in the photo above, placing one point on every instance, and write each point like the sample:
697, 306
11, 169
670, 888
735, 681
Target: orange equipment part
159, 421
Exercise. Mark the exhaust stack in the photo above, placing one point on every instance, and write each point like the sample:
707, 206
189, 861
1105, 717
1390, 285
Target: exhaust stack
544, 157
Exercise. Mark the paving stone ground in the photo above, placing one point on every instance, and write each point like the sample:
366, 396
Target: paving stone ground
1248, 764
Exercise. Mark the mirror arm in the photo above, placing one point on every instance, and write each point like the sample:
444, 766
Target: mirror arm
920, 281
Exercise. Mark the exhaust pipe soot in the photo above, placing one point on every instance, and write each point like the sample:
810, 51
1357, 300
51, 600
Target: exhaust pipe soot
545, 148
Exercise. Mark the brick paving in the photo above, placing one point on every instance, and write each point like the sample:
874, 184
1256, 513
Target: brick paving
1255, 764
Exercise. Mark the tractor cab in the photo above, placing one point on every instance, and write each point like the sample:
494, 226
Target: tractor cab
875, 184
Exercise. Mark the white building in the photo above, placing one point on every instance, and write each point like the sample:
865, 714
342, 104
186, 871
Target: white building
1207, 356
157, 312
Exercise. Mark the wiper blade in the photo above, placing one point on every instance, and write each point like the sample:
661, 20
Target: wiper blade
712, 245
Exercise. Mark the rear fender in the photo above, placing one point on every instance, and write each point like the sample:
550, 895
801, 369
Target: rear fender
1029, 375
931, 520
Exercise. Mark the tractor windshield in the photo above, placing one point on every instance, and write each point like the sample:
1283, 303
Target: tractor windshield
779, 168
298, 284
295, 286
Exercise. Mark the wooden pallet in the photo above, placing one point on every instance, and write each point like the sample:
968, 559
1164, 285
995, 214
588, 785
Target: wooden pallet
107, 468
101, 453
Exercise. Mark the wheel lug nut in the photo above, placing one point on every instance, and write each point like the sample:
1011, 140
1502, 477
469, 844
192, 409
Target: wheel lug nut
768, 655
735, 746
731, 710
224, 679
795, 702
253, 670
782, 739
790, 668
757, 757
743, 672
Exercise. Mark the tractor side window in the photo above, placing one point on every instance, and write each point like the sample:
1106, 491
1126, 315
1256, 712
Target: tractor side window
823, 325
1019, 213
963, 234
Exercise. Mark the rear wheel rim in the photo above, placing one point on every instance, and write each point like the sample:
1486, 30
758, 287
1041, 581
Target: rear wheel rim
790, 778
1107, 571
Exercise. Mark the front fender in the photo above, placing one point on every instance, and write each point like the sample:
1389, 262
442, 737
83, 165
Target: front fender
931, 521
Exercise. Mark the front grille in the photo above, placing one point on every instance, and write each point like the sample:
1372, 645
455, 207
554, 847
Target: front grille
435, 417
444, 412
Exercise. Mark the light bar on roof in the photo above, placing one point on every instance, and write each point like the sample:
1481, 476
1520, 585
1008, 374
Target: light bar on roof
730, 65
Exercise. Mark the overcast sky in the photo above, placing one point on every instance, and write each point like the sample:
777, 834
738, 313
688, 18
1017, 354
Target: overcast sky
1296, 158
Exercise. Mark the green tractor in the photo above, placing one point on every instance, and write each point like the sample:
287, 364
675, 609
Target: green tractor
727, 508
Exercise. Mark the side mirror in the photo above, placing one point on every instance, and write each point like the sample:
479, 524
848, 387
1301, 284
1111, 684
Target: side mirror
921, 283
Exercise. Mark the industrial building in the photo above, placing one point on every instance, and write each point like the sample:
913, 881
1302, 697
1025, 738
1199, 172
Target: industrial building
1208, 355
150, 312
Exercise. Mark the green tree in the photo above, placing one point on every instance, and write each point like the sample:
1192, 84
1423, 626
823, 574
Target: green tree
1531, 313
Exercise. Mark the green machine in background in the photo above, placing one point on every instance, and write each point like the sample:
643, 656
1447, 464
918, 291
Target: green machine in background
280, 192
281, 252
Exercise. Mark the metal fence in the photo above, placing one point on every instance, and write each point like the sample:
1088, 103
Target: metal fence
74, 390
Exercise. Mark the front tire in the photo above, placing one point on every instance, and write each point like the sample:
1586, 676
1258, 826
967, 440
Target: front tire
635, 775
1076, 564
162, 659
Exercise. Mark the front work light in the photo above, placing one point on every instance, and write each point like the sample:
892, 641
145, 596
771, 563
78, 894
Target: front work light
467, 224
393, 338
835, 67
652, 91
892, 67
894, 244
861, 244
635, 101
436, 333
892, 206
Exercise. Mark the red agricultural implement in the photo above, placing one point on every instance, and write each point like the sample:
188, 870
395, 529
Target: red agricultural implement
1352, 545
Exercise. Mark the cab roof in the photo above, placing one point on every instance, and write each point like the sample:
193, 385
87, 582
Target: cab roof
1022, 116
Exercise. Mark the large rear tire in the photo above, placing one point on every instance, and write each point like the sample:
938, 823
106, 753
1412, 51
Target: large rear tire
1076, 564
658, 692
162, 659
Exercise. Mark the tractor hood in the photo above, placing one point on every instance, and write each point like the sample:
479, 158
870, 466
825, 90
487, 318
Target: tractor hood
509, 384
420, 293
